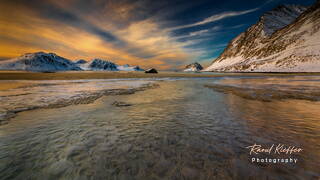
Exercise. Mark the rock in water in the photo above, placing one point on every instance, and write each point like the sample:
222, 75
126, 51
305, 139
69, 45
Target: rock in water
120, 104
193, 67
152, 70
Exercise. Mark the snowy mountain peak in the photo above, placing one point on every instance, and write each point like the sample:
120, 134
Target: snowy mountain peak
284, 40
39, 61
193, 67
51, 62
99, 65
280, 17
127, 67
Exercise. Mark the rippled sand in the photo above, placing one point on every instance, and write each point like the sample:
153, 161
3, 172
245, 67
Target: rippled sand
179, 130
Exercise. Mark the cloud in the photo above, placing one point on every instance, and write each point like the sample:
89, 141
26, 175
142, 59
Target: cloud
123, 31
198, 36
216, 17
59, 29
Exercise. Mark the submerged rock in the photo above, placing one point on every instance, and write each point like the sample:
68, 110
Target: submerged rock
152, 70
57, 169
120, 104
188, 172
162, 167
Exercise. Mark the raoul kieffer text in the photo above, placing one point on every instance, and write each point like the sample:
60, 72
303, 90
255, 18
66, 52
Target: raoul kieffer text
275, 149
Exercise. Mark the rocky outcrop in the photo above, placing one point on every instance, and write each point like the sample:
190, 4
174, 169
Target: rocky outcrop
152, 70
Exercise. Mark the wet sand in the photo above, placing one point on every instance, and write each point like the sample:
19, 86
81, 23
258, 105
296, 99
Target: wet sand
73, 75
9, 85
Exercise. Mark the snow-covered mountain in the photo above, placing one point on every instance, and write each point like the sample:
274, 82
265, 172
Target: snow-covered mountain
99, 65
51, 62
104, 65
285, 39
193, 67
280, 17
127, 67
39, 61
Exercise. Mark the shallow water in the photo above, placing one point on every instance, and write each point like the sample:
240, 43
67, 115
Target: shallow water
180, 130
36, 94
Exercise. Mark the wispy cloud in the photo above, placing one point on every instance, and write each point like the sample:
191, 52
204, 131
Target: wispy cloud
124, 31
210, 32
70, 34
216, 17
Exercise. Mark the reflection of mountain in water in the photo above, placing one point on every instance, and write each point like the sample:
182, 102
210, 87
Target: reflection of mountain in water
268, 89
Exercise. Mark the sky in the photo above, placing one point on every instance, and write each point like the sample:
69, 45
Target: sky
165, 34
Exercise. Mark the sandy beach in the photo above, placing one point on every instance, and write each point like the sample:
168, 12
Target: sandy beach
74, 75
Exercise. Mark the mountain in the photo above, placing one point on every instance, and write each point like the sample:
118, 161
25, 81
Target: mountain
286, 39
39, 61
193, 67
127, 67
104, 65
99, 65
50, 62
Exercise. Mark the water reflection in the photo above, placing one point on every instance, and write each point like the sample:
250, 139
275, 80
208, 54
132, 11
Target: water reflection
177, 131
271, 88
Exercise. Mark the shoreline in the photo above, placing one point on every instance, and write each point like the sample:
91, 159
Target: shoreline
77, 75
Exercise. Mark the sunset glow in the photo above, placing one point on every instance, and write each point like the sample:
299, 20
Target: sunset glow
126, 32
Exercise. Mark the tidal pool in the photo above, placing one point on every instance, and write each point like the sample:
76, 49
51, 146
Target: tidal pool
179, 130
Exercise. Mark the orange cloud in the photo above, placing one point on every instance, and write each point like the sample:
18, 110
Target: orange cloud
23, 30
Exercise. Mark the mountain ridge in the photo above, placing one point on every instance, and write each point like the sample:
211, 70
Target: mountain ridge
51, 62
39, 61
251, 51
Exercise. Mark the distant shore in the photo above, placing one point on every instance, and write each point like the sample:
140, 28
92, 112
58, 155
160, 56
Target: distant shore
74, 75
